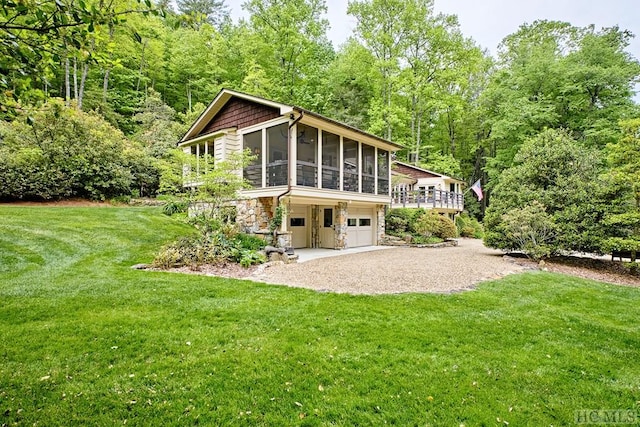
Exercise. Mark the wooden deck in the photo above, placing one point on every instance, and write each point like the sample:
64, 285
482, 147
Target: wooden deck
427, 199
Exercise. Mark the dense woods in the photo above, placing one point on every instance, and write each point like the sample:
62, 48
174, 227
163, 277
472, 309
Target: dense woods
139, 72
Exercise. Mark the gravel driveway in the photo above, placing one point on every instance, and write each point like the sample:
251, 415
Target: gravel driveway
395, 270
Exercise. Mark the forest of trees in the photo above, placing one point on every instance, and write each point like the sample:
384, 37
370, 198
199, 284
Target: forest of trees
147, 68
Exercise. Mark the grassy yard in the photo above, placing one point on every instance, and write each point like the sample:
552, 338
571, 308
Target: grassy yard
86, 340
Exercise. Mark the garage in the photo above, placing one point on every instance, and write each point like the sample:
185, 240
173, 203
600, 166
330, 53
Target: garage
360, 227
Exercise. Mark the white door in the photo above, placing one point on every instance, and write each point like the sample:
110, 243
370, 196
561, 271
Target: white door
298, 223
327, 231
360, 227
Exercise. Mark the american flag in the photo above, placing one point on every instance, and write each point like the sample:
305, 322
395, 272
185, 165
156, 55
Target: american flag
478, 190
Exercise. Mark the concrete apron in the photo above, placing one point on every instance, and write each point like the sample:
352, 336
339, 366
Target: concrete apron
308, 254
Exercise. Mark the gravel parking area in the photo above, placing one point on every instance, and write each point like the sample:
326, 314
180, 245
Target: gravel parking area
396, 270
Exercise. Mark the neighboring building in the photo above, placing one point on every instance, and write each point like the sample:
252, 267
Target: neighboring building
414, 187
333, 179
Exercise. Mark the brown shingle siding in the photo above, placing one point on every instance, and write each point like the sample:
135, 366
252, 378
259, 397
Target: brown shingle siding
240, 113
414, 173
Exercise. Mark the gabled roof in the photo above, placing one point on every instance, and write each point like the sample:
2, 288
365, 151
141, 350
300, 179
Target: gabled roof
427, 171
225, 95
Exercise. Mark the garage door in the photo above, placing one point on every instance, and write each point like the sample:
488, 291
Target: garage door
360, 227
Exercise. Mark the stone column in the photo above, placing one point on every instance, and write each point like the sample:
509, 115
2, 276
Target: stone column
380, 232
340, 226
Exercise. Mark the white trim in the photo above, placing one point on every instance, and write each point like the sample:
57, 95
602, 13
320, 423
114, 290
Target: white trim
269, 123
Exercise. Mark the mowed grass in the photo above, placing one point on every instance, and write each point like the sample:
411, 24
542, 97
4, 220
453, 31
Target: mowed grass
86, 340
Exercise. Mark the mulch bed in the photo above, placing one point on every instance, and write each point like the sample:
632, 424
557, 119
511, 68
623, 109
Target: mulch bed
588, 268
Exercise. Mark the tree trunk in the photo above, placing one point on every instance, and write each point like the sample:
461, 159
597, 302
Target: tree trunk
105, 84
144, 45
75, 78
67, 86
83, 79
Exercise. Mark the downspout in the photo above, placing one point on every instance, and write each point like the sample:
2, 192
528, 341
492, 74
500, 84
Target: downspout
289, 160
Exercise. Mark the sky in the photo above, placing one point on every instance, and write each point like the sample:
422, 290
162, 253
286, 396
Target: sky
489, 21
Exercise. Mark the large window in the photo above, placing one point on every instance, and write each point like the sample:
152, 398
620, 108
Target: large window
330, 159
253, 171
350, 153
277, 155
368, 169
383, 172
307, 163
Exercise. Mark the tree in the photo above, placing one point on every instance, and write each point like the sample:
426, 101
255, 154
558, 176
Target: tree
294, 46
554, 195
624, 160
34, 36
214, 12
553, 75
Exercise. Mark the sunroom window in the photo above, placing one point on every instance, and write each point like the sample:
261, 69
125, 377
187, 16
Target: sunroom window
278, 155
383, 172
307, 163
350, 155
253, 171
330, 159
368, 169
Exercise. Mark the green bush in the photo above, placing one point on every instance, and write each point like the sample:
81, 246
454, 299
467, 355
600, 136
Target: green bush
175, 206
57, 152
400, 221
216, 245
434, 224
469, 227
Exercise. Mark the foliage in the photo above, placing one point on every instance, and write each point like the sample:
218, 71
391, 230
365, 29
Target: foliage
173, 207
399, 221
530, 230
218, 246
624, 173
555, 190
433, 224
554, 75
122, 337
468, 226
60, 152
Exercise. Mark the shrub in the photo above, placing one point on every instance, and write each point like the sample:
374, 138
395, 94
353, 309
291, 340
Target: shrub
434, 224
56, 152
400, 221
530, 230
175, 206
469, 227
224, 244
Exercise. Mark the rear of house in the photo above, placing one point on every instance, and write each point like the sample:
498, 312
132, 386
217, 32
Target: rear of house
334, 180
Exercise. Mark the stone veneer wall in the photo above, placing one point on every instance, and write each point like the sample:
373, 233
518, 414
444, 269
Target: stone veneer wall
340, 226
253, 215
380, 210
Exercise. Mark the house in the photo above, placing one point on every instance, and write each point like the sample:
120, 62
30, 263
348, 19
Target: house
415, 187
333, 179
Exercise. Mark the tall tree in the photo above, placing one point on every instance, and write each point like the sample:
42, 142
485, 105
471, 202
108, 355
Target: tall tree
293, 33
215, 12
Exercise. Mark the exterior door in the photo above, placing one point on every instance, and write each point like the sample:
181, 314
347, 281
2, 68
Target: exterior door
327, 232
298, 226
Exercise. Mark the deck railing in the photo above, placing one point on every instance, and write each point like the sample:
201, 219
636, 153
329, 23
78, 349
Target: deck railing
427, 199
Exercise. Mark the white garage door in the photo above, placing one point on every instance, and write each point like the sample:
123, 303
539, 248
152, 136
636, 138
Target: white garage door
360, 227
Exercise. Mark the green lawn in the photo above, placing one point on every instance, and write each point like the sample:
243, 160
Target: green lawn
86, 340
